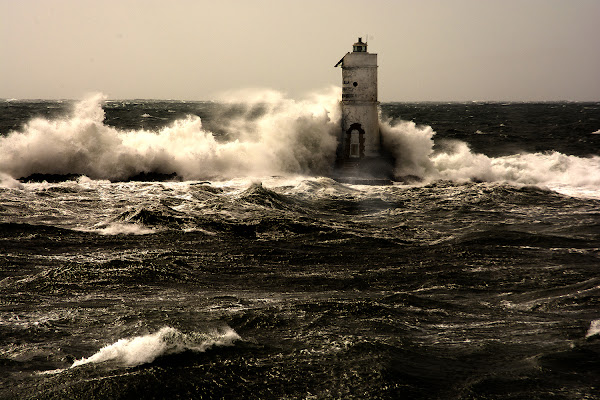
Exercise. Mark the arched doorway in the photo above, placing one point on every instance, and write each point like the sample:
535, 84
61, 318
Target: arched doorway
355, 142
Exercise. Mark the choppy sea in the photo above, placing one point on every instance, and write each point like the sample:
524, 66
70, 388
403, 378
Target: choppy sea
171, 249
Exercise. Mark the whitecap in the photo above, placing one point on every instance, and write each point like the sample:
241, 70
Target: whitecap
145, 349
290, 137
51, 372
117, 228
594, 328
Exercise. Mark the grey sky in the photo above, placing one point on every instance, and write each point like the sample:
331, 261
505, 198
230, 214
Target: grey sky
194, 49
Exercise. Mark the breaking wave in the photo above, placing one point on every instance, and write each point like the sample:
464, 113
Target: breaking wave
145, 349
290, 137
124, 229
267, 135
594, 329
8, 182
413, 148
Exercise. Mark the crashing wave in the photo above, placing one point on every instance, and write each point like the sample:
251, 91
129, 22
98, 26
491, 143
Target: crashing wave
145, 349
267, 135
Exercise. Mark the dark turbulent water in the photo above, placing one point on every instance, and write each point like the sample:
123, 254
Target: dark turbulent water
480, 281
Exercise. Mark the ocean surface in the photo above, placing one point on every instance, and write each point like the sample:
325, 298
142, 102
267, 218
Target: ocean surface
171, 249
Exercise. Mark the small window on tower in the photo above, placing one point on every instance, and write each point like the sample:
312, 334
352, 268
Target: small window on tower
355, 84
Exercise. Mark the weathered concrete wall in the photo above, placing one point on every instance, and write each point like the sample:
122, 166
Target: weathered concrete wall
366, 115
359, 77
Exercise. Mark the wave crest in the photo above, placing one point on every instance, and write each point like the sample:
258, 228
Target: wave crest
145, 349
413, 148
261, 133
287, 137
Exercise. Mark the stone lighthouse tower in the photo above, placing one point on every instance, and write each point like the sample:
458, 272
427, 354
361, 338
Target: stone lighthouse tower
359, 141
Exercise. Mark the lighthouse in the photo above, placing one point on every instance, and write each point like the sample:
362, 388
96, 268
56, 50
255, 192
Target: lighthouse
359, 142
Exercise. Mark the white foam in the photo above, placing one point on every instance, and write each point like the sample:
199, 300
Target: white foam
289, 137
8, 182
51, 372
413, 146
550, 170
285, 137
145, 349
594, 328
117, 228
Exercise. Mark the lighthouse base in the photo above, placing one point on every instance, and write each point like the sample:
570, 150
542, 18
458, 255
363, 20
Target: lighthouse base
365, 171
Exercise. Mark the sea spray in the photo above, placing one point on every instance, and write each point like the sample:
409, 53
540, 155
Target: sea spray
456, 161
255, 133
415, 154
8, 182
145, 349
410, 145
288, 137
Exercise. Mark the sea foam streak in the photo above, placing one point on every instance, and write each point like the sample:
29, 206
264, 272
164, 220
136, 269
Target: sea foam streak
145, 349
285, 137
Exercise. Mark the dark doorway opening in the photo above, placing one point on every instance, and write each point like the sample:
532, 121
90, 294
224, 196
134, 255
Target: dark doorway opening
355, 142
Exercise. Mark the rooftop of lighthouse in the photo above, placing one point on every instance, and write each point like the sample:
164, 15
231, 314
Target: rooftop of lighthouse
359, 47
352, 59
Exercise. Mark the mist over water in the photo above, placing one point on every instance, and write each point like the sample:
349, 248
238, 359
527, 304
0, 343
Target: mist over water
262, 133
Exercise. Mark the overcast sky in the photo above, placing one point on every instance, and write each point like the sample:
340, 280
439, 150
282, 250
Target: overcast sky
428, 50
